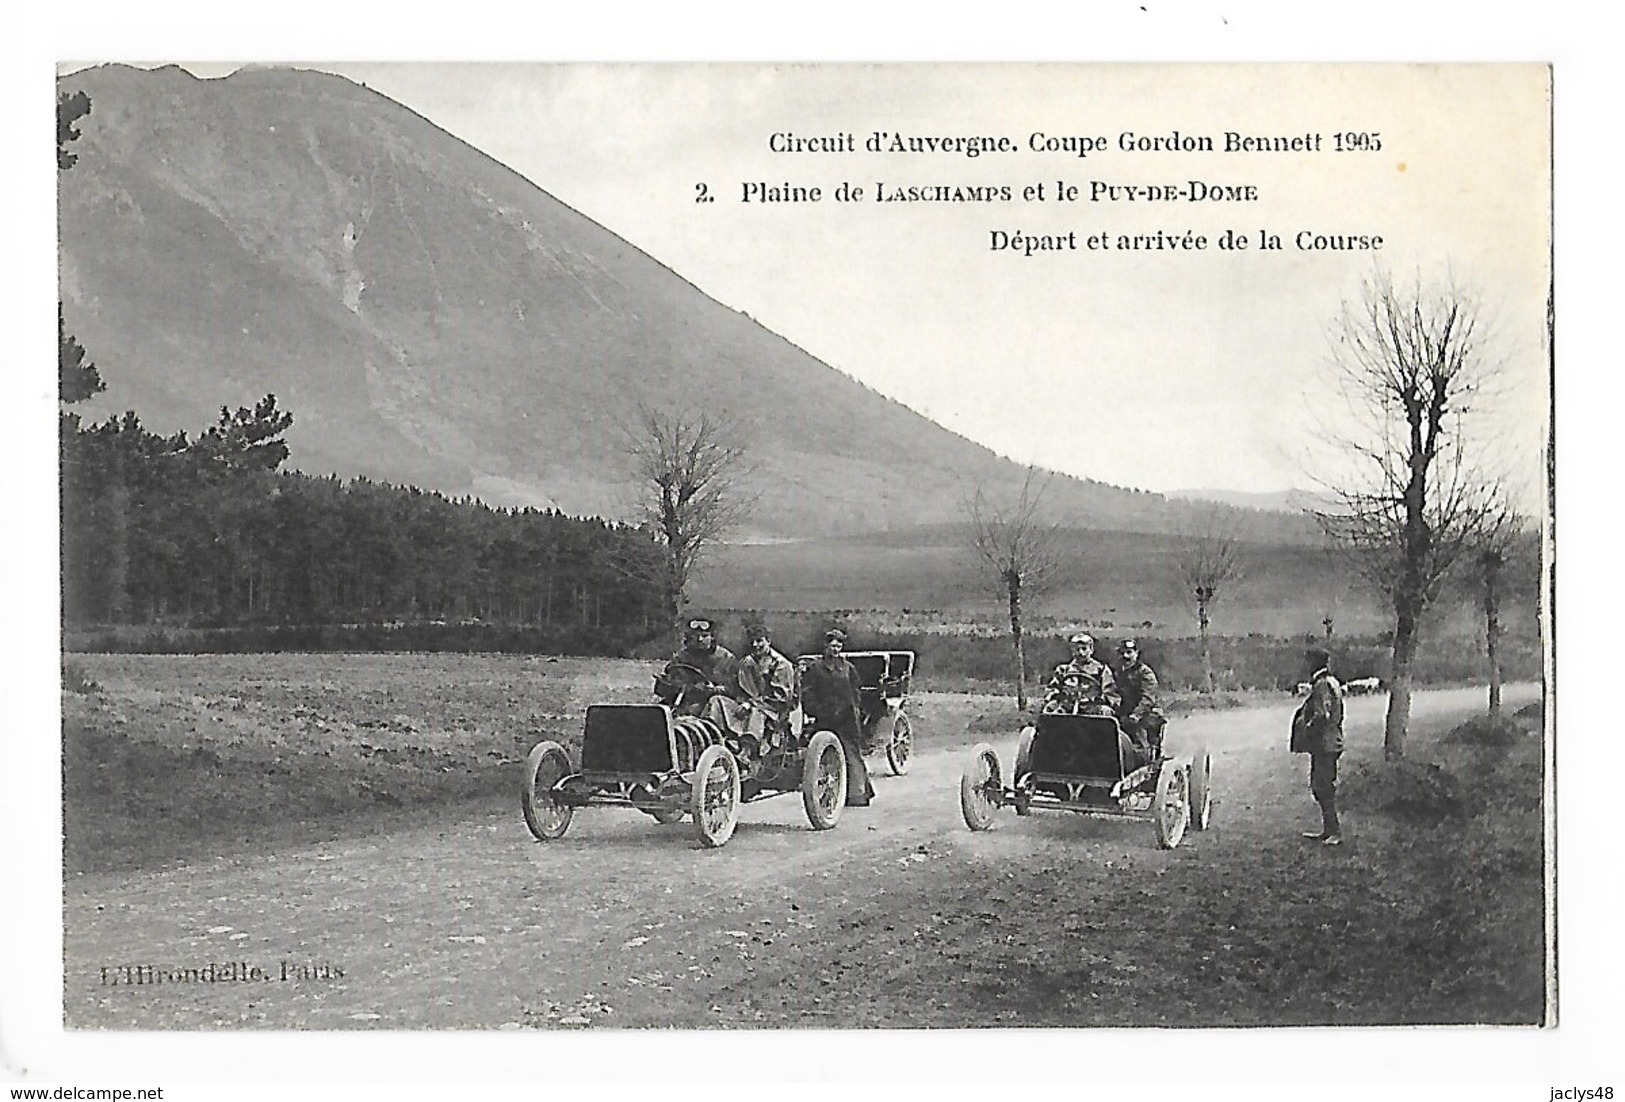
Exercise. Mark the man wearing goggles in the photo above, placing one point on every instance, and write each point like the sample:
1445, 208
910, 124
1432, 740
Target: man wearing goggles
703, 668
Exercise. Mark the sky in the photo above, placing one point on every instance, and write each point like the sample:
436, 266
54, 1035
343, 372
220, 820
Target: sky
1159, 369
1240, 336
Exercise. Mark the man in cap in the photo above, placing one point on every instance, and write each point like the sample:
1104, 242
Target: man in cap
1318, 732
1084, 682
703, 668
1137, 712
830, 690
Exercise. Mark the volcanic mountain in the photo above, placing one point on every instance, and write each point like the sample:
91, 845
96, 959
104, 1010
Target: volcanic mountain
431, 317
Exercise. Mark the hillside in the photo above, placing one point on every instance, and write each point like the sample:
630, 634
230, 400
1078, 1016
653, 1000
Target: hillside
431, 317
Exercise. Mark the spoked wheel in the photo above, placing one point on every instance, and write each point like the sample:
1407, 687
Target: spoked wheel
901, 747
716, 796
981, 788
1171, 807
1021, 775
1201, 789
823, 780
544, 814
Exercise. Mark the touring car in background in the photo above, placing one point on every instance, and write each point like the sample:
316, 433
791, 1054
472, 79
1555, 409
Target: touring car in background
884, 678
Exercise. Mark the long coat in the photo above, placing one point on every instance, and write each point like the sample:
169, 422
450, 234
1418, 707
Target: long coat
1322, 716
1094, 681
1138, 684
830, 697
830, 693
691, 667
769, 681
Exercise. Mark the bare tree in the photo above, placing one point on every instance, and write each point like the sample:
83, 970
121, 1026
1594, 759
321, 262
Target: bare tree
689, 467
1333, 588
1022, 547
1499, 539
1410, 365
1210, 564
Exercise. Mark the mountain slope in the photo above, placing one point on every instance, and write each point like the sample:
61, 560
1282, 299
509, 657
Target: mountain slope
429, 316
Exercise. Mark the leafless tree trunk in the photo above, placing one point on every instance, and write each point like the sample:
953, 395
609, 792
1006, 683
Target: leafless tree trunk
118, 544
1210, 564
1497, 543
1022, 548
1492, 563
689, 467
1410, 365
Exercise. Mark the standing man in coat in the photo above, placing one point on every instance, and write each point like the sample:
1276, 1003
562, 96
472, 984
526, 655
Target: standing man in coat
829, 697
1320, 720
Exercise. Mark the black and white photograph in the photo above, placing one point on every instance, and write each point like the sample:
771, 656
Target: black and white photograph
842, 553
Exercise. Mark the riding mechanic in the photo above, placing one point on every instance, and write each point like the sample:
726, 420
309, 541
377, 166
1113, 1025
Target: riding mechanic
1137, 711
767, 679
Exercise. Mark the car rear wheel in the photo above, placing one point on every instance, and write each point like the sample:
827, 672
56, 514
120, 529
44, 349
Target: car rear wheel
547, 818
823, 781
1201, 789
901, 747
1021, 775
1170, 808
981, 788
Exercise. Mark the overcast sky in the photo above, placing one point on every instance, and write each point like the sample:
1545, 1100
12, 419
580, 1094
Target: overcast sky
1156, 369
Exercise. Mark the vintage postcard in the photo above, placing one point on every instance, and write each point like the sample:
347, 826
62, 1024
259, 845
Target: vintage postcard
555, 548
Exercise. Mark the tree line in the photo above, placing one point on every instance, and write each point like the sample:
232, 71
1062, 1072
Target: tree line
210, 531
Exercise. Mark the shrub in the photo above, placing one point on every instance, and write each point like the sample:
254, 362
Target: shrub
1427, 791
1488, 731
76, 680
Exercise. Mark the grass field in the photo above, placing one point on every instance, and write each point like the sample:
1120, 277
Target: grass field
1433, 913
921, 589
1115, 580
168, 756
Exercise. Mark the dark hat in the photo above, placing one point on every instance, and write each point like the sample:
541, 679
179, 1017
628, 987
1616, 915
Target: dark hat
1318, 657
1127, 646
699, 623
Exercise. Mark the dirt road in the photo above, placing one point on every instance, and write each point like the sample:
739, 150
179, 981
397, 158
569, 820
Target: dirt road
900, 916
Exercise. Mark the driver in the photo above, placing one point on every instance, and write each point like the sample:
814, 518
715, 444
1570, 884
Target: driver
1083, 684
703, 668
